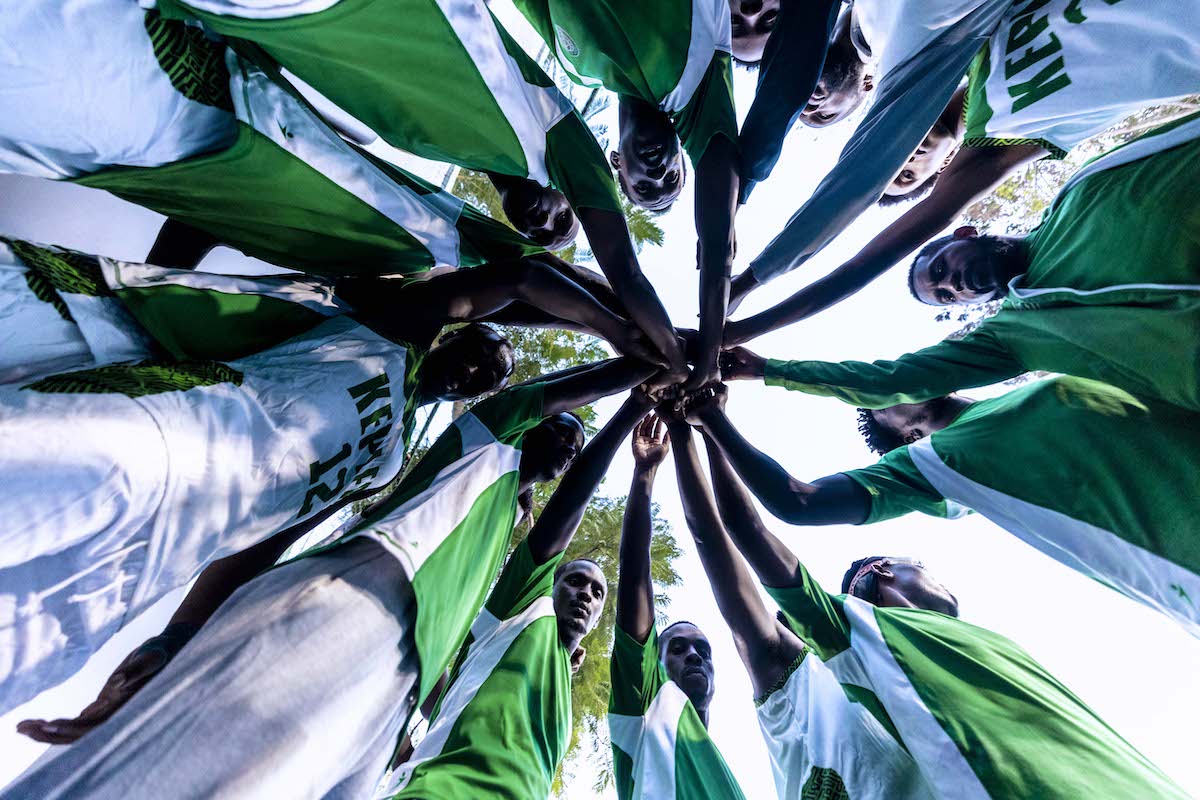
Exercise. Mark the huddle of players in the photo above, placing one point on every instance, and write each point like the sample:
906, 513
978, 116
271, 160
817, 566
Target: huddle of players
247, 411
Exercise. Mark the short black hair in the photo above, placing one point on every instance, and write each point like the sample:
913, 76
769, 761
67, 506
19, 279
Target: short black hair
663, 638
928, 251
889, 200
880, 438
658, 212
563, 566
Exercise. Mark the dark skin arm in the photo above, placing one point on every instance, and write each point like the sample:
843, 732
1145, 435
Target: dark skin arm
609, 236
467, 295
213, 587
635, 588
772, 561
973, 173
181, 246
577, 387
765, 646
826, 501
564, 511
716, 204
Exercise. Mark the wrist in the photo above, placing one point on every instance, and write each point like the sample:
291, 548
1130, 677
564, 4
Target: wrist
644, 472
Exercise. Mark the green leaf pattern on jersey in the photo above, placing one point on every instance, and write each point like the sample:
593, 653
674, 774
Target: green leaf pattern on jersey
194, 64
139, 380
54, 271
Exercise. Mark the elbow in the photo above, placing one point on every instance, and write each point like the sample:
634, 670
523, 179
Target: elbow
790, 504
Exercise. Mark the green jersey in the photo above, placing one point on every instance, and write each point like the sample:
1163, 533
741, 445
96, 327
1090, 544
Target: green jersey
1095, 301
673, 54
661, 749
1120, 516
291, 191
436, 78
504, 721
450, 520
979, 716
1060, 71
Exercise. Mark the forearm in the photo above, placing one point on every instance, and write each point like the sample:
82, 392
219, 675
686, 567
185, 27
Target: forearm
772, 561
550, 291
526, 316
609, 237
564, 511
716, 204
223, 577
783, 495
635, 589
181, 246
577, 388
736, 595
593, 283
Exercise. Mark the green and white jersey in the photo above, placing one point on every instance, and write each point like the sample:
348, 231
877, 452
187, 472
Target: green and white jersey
438, 78
451, 519
661, 749
1095, 302
222, 454
673, 54
826, 732
504, 721
1119, 517
979, 716
1059, 71
209, 139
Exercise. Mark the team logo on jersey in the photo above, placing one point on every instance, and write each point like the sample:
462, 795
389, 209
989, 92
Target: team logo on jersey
566, 42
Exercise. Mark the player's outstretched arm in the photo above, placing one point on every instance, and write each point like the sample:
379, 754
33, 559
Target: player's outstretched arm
827, 501
579, 386
467, 295
716, 203
213, 587
609, 237
766, 648
772, 561
973, 173
563, 512
635, 589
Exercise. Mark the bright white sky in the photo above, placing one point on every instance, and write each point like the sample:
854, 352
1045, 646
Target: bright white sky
1136, 669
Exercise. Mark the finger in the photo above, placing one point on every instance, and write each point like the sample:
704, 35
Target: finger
59, 731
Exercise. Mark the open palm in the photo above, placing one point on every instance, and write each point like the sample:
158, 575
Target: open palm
650, 442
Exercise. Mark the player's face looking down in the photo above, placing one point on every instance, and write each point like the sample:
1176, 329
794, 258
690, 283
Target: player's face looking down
687, 656
930, 158
539, 213
580, 589
966, 268
548, 450
467, 362
844, 82
648, 158
751, 23
910, 422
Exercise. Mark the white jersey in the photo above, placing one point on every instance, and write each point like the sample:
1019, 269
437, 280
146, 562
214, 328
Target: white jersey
82, 80
36, 339
135, 477
818, 739
896, 30
1060, 71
